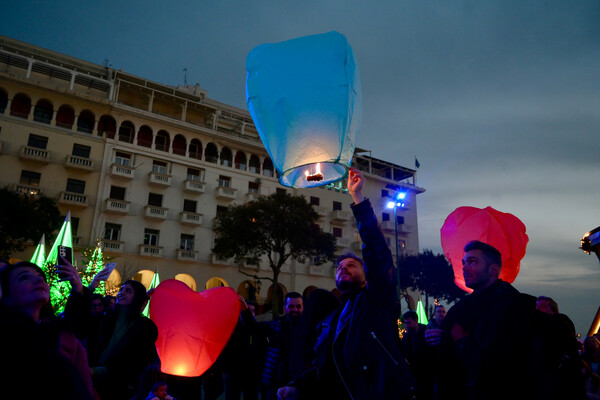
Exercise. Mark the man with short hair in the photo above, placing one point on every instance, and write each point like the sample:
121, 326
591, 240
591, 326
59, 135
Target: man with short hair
486, 340
439, 313
357, 355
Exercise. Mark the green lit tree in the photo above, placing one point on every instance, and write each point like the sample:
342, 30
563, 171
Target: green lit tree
94, 260
24, 219
277, 228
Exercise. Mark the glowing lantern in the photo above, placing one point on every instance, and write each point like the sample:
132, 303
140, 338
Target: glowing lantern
193, 328
502, 230
421, 313
305, 99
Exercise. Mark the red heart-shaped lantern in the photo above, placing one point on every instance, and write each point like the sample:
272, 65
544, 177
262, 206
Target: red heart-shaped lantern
193, 327
502, 230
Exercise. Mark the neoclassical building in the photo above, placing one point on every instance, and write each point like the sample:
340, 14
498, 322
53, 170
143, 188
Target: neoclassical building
145, 167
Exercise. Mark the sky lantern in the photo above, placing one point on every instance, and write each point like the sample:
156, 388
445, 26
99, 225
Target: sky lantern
305, 99
193, 327
502, 230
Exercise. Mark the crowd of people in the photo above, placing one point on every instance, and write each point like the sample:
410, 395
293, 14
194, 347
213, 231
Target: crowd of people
495, 343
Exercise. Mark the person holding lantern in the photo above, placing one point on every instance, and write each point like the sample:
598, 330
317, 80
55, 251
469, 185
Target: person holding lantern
357, 354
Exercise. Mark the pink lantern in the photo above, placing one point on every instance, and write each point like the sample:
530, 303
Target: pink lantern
193, 327
502, 230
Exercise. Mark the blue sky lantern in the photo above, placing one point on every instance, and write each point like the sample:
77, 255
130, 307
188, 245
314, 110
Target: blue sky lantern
305, 99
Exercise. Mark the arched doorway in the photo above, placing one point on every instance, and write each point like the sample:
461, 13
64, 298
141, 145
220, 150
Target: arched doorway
215, 282
188, 280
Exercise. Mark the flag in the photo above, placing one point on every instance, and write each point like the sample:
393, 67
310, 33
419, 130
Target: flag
417, 163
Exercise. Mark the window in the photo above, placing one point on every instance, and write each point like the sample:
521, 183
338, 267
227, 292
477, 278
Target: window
30, 178
187, 242
75, 186
400, 219
194, 174
74, 225
385, 217
337, 206
151, 237
221, 210
314, 201
39, 142
224, 181
253, 187
155, 199
112, 231
159, 167
82, 151
337, 232
117, 193
384, 193
123, 159
189, 205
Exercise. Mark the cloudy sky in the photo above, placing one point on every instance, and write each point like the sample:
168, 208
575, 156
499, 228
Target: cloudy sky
499, 100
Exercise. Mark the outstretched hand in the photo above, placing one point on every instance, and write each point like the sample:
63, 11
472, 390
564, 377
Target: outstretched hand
356, 180
69, 272
102, 275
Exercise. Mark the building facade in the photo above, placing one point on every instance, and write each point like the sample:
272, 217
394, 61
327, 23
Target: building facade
145, 168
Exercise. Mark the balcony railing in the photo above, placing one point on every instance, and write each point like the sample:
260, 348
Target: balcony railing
27, 189
79, 162
194, 186
116, 206
76, 199
191, 218
152, 251
225, 193
342, 242
33, 153
155, 212
123, 171
339, 215
113, 245
186, 255
160, 179
251, 196
321, 211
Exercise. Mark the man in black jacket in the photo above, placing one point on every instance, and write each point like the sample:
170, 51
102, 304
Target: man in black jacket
357, 355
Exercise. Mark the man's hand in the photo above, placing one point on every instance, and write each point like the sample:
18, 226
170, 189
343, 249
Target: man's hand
356, 180
458, 332
287, 393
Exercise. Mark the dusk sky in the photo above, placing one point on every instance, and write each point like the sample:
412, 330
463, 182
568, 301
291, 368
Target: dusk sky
499, 100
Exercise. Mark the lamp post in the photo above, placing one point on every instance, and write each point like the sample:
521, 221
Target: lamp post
398, 201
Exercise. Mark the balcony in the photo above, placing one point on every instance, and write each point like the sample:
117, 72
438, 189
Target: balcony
80, 163
78, 240
113, 245
405, 228
315, 269
194, 186
322, 211
356, 245
74, 199
116, 206
190, 218
342, 242
216, 260
29, 190
225, 193
251, 196
160, 179
122, 171
35, 154
339, 215
186, 255
155, 212
151, 251
388, 226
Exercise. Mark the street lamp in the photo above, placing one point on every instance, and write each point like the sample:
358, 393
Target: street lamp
397, 202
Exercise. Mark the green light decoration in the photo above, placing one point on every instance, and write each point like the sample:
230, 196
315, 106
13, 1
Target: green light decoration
155, 282
95, 264
39, 255
421, 313
59, 291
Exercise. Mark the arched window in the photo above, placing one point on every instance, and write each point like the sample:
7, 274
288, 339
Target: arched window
211, 154
144, 136
226, 157
254, 164
3, 100
187, 279
240, 160
108, 125
43, 111
195, 149
268, 167
20, 106
215, 282
162, 141
179, 145
86, 121
126, 131
65, 116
